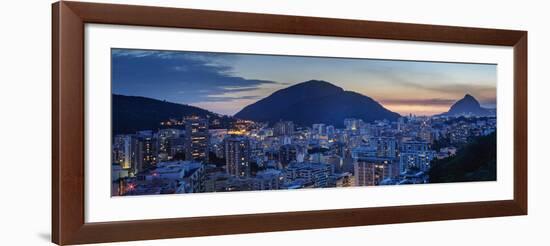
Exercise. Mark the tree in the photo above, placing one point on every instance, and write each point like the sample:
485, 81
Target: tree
476, 161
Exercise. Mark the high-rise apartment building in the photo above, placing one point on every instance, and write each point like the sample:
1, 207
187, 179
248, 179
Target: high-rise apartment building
237, 156
196, 138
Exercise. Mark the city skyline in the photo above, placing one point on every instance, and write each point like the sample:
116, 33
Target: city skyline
296, 122
225, 83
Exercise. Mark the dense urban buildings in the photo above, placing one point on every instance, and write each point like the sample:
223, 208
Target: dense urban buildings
189, 157
195, 122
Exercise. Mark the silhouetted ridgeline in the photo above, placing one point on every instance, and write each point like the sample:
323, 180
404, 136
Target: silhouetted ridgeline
469, 106
131, 113
315, 101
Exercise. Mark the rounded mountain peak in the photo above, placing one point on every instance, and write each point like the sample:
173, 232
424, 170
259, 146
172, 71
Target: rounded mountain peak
316, 84
466, 104
311, 87
469, 97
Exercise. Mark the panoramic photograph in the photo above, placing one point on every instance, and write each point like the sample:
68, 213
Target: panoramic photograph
201, 122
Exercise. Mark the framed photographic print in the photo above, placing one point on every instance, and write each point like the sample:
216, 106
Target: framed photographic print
175, 122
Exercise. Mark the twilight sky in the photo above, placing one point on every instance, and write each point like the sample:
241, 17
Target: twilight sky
225, 83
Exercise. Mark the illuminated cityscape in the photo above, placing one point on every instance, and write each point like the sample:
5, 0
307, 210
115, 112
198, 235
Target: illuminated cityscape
260, 157
312, 134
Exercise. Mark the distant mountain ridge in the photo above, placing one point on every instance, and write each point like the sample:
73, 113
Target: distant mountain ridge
315, 101
306, 103
133, 113
468, 105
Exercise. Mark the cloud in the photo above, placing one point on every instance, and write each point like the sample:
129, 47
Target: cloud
430, 77
230, 98
185, 77
427, 102
446, 87
144, 53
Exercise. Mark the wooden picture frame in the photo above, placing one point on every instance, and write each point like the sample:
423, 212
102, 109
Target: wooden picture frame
68, 223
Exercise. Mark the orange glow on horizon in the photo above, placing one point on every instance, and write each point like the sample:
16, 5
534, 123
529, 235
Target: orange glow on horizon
402, 109
425, 110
